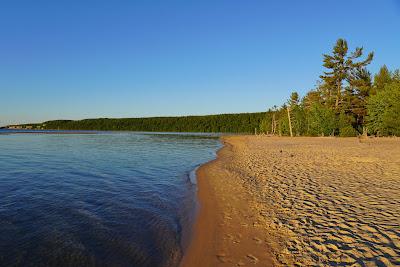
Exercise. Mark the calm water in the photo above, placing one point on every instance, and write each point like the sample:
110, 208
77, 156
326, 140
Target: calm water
107, 199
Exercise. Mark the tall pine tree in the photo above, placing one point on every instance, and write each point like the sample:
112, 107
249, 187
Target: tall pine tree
341, 67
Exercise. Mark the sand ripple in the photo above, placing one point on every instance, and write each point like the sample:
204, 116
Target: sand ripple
323, 201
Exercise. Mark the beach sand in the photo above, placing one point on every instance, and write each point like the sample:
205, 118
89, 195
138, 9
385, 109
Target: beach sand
270, 201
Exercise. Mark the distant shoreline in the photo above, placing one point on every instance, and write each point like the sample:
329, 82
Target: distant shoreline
227, 123
45, 132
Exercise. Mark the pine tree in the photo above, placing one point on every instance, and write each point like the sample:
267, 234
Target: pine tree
396, 75
384, 111
341, 67
357, 94
382, 78
294, 99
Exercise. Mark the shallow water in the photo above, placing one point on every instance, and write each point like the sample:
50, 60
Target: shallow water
106, 199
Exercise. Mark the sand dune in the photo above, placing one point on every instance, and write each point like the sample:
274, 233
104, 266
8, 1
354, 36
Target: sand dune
299, 202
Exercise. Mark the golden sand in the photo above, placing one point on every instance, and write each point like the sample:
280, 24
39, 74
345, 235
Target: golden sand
270, 201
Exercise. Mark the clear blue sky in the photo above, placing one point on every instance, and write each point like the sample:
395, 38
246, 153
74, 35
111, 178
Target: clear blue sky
85, 59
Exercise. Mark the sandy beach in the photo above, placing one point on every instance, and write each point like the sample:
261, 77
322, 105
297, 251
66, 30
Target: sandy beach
269, 201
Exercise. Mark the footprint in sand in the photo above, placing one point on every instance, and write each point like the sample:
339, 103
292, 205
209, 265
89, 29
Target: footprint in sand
258, 240
221, 257
252, 258
229, 236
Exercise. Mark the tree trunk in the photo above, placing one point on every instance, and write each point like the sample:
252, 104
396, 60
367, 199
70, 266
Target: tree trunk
290, 122
273, 124
339, 89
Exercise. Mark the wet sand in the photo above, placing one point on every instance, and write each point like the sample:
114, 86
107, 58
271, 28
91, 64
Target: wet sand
269, 201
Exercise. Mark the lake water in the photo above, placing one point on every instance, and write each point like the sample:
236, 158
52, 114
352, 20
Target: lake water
105, 199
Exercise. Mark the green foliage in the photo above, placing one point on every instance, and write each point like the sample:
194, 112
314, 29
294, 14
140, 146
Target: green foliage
340, 103
227, 123
384, 111
396, 76
382, 78
299, 120
347, 131
294, 99
344, 124
356, 96
341, 67
321, 120
283, 123
266, 123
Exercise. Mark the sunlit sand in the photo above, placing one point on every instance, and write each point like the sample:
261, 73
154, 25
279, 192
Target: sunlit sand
299, 201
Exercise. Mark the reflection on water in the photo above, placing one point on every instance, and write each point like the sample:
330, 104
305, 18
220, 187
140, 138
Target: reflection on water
108, 199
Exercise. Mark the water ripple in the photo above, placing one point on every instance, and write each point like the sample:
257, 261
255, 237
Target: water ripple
111, 199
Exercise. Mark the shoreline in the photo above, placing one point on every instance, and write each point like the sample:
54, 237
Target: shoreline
38, 132
211, 238
200, 218
281, 201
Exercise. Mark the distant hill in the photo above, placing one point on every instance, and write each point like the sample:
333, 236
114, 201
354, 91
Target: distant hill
225, 123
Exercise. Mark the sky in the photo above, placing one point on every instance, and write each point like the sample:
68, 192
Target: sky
71, 59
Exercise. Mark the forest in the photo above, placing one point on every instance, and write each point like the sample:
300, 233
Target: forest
347, 100
228, 123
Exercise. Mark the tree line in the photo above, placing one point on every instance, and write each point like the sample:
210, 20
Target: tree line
347, 100
223, 123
